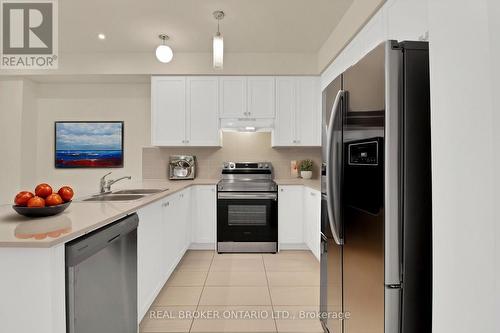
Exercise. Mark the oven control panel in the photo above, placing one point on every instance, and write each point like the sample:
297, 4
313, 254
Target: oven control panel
246, 165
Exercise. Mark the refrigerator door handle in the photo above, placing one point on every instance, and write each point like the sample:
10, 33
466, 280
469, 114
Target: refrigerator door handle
392, 200
332, 187
392, 311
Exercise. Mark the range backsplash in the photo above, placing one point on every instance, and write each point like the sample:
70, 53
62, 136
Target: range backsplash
248, 147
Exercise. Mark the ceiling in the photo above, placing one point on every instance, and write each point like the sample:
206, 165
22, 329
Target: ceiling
267, 26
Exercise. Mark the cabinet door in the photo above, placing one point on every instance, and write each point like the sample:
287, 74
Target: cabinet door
173, 239
233, 96
202, 111
284, 127
261, 96
185, 214
312, 220
308, 124
150, 254
290, 215
205, 220
168, 111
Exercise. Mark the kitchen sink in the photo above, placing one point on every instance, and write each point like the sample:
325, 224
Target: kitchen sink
141, 191
115, 197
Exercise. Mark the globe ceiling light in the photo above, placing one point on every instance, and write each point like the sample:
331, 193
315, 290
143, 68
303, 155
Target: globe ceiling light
164, 53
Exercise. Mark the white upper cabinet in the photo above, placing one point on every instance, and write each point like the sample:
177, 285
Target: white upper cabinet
298, 112
184, 111
284, 132
233, 96
202, 111
308, 112
247, 97
261, 96
168, 111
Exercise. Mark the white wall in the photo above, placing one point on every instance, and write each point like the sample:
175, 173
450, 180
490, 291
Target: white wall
182, 64
18, 141
396, 19
118, 101
494, 26
28, 134
465, 145
11, 103
352, 21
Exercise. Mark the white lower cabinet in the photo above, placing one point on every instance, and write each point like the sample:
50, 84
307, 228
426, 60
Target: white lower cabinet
204, 222
299, 218
162, 240
166, 230
176, 221
312, 220
290, 224
150, 252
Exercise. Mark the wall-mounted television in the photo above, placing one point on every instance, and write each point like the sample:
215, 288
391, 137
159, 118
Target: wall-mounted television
89, 144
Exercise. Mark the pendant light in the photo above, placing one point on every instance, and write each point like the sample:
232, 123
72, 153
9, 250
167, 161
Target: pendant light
164, 52
218, 42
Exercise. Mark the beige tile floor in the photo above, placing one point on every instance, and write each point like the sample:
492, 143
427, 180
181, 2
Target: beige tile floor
210, 292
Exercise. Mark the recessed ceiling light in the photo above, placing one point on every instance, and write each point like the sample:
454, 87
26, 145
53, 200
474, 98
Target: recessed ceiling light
101, 36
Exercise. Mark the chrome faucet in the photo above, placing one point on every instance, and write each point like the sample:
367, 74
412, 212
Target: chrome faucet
105, 185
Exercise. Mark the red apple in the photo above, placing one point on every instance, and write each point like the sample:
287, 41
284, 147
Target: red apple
36, 202
23, 197
66, 193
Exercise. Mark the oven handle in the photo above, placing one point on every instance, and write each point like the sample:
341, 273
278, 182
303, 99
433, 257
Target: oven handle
250, 196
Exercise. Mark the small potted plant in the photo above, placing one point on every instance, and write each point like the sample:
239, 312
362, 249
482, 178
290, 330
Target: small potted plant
306, 167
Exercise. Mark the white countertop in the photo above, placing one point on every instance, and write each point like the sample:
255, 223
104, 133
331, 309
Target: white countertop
81, 218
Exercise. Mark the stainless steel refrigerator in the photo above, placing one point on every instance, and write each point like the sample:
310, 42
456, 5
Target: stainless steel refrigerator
376, 260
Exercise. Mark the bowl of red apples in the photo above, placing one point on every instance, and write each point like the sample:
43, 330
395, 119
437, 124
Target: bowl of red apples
43, 202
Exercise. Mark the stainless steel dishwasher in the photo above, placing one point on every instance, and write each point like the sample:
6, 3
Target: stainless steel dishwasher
101, 280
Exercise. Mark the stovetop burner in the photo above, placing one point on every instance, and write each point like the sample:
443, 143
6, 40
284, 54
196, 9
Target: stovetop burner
247, 177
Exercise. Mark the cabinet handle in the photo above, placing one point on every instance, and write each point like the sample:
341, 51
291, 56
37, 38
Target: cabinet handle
313, 194
166, 204
281, 190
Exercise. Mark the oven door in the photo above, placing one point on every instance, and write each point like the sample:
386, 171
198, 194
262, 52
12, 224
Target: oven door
247, 221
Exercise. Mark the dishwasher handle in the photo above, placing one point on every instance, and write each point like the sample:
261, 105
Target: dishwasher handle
84, 247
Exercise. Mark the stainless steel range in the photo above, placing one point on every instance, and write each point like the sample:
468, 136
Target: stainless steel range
247, 208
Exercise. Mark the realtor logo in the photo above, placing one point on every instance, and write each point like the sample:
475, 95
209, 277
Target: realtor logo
29, 39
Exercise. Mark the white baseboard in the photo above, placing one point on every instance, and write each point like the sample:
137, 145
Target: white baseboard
202, 246
293, 246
